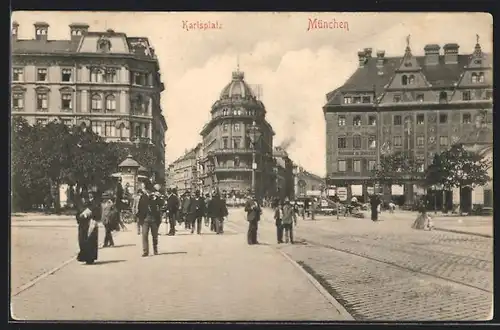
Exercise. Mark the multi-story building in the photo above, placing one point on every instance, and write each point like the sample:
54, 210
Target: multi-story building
306, 183
419, 104
105, 81
238, 120
183, 172
283, 170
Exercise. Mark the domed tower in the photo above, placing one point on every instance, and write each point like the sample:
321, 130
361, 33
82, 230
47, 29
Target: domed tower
238, 142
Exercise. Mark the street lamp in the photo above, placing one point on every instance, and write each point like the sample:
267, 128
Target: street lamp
254, 132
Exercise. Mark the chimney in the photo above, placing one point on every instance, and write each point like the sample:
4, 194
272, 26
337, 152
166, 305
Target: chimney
368, 52
41, 31
77, 30
432, 54
380, 58
451, 53
361, 58
15, 28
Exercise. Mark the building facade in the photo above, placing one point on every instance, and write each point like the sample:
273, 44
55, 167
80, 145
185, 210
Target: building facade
237, 142
306, 183
105, 81
183, 173
283, 171
418, 104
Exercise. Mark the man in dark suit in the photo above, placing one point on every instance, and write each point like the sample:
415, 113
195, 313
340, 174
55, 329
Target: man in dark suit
196, 212
148, 211
218, 210
172, 209
186, 202
253, 210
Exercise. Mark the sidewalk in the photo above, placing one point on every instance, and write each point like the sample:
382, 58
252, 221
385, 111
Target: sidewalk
207, 277
38, 216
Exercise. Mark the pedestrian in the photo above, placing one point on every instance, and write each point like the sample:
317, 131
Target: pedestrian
392, 207
135, 205
196, 212
185, 209
88, 214
423, 221
207, 217
172, 209
109, 217
278, 217
288, 220
148, 210
254, 211
218, 210
119, 196
313, 208
374, 204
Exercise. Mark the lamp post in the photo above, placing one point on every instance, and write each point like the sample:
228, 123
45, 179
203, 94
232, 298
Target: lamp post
255, 133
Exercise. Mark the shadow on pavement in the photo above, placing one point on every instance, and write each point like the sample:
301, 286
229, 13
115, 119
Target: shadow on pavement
108, 262
124, 245
175, 252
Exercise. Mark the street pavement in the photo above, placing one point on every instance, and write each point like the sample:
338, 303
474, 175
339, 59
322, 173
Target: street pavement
194, 277
388, 271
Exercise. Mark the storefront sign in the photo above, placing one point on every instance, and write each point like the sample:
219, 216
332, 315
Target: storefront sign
313, 192
357, 190
342, 193
397, 190
331, 192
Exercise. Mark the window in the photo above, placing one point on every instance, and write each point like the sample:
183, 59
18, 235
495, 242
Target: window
466, 96
225, 127
66, 75
356, 121
356, 99
121, 131
420, 119
411, 80
236, 127
137, 130
397, 120
17, 74
404, 80
357, 165
481, 77
341, 165
474, 78
96, 103
443, 97
224, 143
466, 118
42, 101
41, 75
366, 99
95, 75
97, 127
341, 121
372, 164
110, 128
109, 76
145, 132
66, 101
236, 143
421, 167
342, 143
443, 141
110, 103
372, 120
138, 78
443, 118
396, 98
18, 101
236, 162
104, 45
420, 141
420, 97
397, 141
489, 95
356, 142
372, 142
347, 100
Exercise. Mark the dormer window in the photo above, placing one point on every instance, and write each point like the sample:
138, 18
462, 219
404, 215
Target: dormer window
474, 78
411, 80
341, 121
356, 121
481, 77
366, 99
420, 97
372, 120
404, 80
104, 45
396, 98
356, 99
466, 96
443, 97
347, 100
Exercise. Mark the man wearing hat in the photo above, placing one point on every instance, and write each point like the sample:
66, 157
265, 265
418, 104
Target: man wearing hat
196, 212
148, 210
253, 210
172, 209
288, 220
185, 209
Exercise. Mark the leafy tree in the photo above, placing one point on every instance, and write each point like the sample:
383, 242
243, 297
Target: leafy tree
397, 168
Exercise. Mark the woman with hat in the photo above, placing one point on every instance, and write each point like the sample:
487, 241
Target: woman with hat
88, 213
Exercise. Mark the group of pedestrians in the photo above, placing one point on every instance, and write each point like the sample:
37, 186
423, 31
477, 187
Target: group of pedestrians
285, 216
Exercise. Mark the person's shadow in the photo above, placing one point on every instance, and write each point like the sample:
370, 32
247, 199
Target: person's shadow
172, 253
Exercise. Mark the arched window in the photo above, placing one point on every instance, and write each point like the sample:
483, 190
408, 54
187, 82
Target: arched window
95, 75
404, 80
481, 77
443, 97
356, 121
121, 131
110, 103
411, 80
474, 78
96, 102
236, 161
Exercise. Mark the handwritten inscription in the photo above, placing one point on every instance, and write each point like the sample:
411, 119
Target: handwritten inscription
201, 25
333, 24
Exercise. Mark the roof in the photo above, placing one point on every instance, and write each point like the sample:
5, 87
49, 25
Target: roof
129, 162
237, 87
371, 78
44, 46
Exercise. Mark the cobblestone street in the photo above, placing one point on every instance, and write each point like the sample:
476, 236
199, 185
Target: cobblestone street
388, 271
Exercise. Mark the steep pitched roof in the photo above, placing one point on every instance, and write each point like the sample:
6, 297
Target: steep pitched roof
44, 46
372, 78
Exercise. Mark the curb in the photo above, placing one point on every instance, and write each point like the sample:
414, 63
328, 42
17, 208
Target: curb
37, 279
463, 232
343, 312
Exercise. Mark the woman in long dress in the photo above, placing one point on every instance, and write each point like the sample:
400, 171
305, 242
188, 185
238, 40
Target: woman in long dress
88, 213
423, 221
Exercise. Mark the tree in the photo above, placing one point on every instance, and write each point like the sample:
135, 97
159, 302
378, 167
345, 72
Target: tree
397, 168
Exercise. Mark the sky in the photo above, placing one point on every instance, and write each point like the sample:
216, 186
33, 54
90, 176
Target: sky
294, 66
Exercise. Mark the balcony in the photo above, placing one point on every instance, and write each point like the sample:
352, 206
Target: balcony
228, 151
233, 169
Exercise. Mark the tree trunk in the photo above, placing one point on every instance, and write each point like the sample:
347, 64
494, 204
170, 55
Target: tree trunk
54, 192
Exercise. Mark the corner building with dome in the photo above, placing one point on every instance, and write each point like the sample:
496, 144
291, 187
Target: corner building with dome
238, 118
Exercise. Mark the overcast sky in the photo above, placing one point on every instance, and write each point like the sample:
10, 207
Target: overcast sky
295, 67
